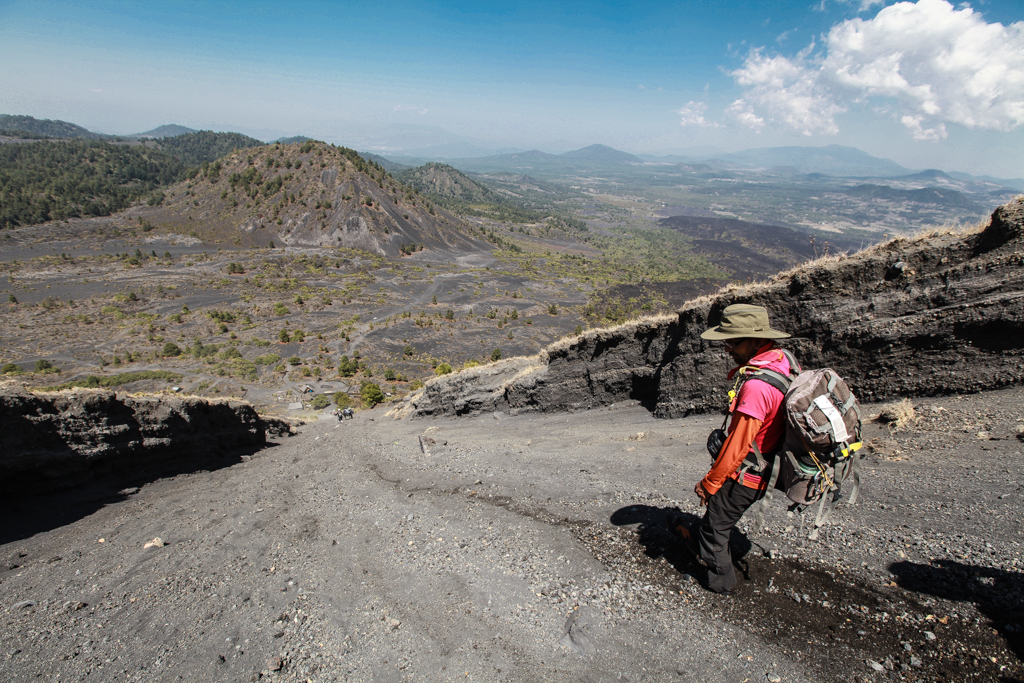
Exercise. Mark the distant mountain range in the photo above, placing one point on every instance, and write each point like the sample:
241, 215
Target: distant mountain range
832, 160
28, 126
166, 131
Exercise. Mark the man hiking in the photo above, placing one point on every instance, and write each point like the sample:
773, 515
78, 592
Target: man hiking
757, 427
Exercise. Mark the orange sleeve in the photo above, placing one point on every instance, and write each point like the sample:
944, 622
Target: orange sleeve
736, 447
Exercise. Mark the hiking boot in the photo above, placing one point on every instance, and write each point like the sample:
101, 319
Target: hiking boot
679, 529
734, 591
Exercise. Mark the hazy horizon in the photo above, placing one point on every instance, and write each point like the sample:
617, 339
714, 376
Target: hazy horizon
925, 84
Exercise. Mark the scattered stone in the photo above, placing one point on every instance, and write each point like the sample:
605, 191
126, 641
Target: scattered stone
394, 623
929, 636
774, 678
23, 604
155, 543
130, 491
874, 665
275, 664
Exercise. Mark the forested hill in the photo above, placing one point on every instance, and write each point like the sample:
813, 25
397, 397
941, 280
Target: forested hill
454, 190
29, 126
58, 179
46, 181
192, 149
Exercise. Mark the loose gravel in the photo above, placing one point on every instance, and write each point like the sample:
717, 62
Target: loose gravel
531, 547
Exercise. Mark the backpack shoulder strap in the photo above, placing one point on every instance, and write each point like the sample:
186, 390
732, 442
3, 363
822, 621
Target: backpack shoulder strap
777, 379
772, 378
794, 365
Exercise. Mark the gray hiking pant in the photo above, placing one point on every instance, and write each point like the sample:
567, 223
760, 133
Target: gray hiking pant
724, 509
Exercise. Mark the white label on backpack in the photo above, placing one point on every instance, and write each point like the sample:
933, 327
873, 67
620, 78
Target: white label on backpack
835, 419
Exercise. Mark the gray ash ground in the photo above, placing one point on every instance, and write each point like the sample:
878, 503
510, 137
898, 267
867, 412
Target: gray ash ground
528, 547
64, 298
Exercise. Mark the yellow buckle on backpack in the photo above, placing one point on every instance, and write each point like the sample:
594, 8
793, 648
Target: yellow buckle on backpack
851, 449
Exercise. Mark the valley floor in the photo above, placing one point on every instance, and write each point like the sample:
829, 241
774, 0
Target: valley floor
528, 547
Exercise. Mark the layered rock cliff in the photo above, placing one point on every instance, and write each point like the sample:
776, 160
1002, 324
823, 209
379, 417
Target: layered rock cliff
938, 314
64, 439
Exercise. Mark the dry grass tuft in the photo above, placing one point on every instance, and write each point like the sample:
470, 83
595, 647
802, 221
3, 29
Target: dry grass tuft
952, 229
71, 392
79, 391
622, 329
526, 371
897, 415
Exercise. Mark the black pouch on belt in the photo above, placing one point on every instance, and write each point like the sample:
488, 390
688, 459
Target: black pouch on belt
716, 439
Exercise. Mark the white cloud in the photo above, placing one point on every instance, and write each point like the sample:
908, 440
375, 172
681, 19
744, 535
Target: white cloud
743, 112
936, 64
692, 114
788, 91
913, 124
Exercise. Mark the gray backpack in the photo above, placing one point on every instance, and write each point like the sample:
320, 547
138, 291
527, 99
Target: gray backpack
823, 434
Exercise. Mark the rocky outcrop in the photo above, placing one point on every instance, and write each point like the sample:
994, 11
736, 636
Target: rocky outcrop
64, 439
939, 314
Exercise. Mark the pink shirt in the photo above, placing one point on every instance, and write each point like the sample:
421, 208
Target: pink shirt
762, 401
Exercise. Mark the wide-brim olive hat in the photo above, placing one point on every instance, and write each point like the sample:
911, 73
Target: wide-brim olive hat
744, 320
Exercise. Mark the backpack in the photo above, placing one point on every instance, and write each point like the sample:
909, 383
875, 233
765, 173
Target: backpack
823, 433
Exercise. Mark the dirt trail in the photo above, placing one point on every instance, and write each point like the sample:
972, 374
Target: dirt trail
522, 548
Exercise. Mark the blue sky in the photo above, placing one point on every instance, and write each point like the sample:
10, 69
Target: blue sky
925, 83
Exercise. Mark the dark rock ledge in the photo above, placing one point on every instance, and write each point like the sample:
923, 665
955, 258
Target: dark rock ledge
67, 439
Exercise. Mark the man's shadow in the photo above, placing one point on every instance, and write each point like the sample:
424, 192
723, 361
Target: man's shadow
654, 535
998, 594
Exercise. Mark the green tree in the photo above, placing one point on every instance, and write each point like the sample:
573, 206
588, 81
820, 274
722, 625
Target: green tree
171, 349
284, 337
341, 399
443, 369
371, 394
43, 365
346, 367
9, 368
321, 402
496, 355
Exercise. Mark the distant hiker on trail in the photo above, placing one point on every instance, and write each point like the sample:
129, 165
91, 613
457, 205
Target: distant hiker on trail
742, 456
